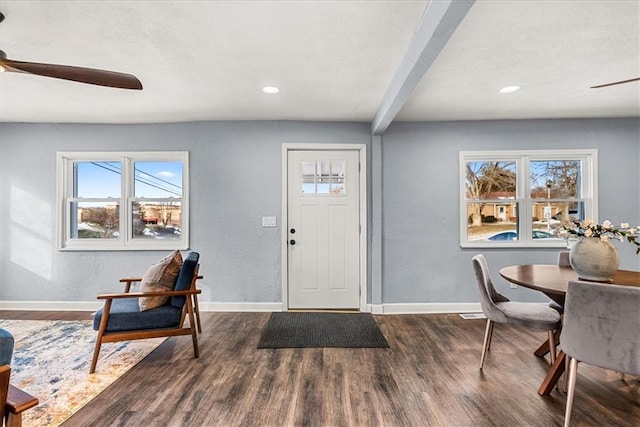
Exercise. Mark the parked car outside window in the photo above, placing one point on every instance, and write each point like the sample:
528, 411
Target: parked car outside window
513, 235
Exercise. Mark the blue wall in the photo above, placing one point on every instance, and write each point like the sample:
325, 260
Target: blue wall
422, 259
235, 178
235, 170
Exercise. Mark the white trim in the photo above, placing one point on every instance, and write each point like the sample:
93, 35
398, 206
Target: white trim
51, 305
376, 309
96, 305
284, 232
240, 306
252, 307
362, 149
427, 308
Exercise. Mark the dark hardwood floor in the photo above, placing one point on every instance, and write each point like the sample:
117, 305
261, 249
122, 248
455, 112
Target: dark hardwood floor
428, 377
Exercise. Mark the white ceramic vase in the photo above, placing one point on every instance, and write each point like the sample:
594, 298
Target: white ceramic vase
594, 259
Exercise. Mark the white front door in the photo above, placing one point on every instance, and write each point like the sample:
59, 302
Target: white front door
323, 229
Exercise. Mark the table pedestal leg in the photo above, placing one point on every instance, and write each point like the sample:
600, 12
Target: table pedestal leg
553, 375
544, 347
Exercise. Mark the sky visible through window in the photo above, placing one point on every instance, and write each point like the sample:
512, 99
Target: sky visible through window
541, 171
152, 179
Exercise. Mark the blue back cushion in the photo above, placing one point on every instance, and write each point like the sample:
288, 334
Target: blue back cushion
184, 278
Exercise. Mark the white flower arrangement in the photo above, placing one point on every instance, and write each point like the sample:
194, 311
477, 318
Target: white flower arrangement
604, 231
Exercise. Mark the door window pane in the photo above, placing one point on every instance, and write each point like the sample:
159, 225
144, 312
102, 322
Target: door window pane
308, 169
337, 176
323, 177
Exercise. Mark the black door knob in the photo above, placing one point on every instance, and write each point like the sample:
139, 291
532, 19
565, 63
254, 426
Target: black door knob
293, 242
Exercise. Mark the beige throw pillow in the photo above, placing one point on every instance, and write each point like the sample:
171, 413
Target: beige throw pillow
161, 276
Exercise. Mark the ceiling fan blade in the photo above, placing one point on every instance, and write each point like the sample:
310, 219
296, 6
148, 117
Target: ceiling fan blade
616, 83
76, 74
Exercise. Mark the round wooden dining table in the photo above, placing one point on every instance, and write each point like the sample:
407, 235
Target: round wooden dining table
552, 280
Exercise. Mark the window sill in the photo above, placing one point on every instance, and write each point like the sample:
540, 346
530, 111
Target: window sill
109, 248
525, 245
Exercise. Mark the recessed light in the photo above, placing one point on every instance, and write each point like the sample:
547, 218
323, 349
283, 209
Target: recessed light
270, 90
510, 89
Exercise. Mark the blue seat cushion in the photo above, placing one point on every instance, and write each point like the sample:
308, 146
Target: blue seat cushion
6, 347
125, 315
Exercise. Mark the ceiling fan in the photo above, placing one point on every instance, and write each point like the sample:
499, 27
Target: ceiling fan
66, 72
615, 83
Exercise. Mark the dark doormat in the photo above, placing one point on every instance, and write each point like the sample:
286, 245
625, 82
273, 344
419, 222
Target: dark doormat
301, 330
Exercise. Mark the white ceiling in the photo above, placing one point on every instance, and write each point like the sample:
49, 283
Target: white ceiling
332, 60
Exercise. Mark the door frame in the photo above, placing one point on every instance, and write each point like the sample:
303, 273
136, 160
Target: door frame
362, 205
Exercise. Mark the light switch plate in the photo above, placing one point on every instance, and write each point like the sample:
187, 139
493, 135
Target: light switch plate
269, 221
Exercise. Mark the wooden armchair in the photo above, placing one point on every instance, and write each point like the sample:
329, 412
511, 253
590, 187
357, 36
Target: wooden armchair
13, 401
18, 401
5, 373
121, 319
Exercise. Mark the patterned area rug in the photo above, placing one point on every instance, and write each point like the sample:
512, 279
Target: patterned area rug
51, 361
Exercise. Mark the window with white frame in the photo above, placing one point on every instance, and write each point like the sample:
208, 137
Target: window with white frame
522, 198
123, 200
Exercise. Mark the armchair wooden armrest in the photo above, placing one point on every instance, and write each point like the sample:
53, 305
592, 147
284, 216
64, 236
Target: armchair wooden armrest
149, 294
129, 280
139, 279
18, 401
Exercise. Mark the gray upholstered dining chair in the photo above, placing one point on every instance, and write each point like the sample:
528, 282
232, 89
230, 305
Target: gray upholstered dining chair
601, 328
499, 308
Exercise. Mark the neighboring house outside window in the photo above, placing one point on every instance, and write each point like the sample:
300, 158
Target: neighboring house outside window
522, 198
123, 200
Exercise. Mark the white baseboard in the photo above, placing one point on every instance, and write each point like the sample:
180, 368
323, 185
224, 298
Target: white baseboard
51, 305
414, 308
93, 306
240, 306
426, 308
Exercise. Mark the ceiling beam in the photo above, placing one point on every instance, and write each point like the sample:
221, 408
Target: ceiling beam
439, 22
